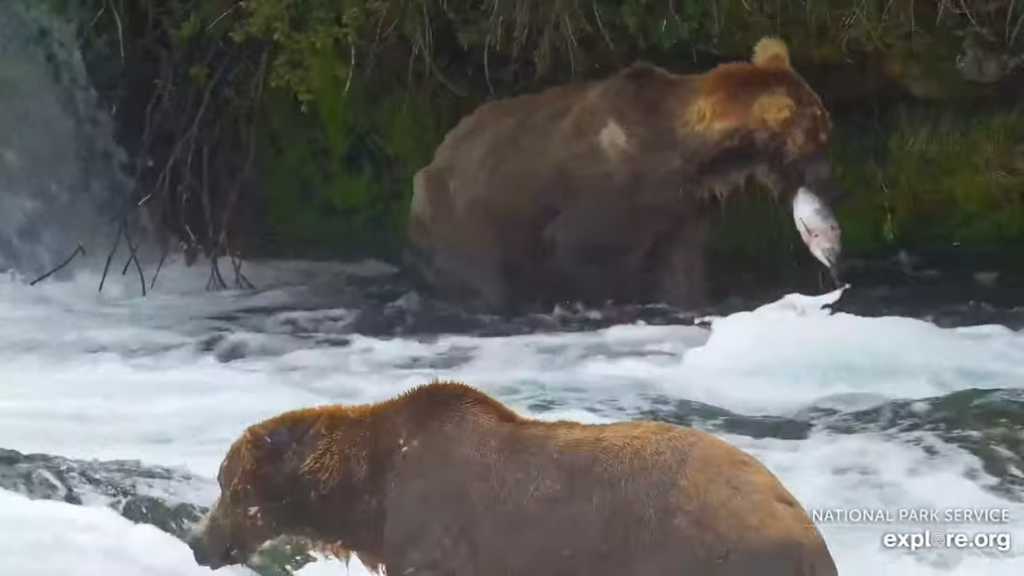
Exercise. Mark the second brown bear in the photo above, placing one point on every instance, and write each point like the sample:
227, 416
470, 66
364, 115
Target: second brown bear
605, 190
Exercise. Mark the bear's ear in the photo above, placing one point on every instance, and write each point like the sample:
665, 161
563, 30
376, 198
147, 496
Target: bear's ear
771, 52
771, 111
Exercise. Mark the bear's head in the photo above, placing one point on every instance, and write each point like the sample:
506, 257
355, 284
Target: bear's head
293, 475
761, 119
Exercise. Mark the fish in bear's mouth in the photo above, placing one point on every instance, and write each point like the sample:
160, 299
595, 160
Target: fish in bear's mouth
819, 230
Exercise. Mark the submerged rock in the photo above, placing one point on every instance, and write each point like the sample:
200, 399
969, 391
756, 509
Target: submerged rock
119, 484
986, 423
156, 495
390, 306
708, 417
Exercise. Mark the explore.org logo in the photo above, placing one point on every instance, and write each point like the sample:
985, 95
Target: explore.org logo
998, 541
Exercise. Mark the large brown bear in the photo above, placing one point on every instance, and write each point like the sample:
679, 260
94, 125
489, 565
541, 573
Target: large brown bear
446, 481
604, 190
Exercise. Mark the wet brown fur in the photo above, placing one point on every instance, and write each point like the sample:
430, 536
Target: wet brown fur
600, 190
445, 480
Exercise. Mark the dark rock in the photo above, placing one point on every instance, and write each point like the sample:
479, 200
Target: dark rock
388, 305
708, 417
141, 493
112, 483
176, 519
986, 423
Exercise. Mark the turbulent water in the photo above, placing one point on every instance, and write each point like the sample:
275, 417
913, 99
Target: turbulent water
128, 403
172, 378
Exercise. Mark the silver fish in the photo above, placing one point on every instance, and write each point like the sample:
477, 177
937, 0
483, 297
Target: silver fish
819, 230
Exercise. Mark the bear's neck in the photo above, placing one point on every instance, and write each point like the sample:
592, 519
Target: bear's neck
339, 506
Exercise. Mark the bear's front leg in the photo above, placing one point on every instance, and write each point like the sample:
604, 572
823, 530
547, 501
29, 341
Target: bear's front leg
680, 272
472, 275
594, 255
454, 250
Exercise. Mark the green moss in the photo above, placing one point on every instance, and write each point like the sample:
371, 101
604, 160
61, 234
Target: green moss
560, 39
321, 179
928, 179
957, 178
339, 174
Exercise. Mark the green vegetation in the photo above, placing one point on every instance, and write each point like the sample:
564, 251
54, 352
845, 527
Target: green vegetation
931, 179
318, 112
958, 179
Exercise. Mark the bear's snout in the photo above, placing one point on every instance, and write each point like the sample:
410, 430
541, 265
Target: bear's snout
210, 542
214, 554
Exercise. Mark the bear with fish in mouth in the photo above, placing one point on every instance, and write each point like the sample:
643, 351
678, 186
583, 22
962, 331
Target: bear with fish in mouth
605, 190
443, 480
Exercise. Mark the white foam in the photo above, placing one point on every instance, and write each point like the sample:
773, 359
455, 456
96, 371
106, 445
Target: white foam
114, 376
870, 472
42, 538
782, 355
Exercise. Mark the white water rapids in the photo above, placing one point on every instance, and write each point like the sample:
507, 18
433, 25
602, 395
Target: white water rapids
114, 375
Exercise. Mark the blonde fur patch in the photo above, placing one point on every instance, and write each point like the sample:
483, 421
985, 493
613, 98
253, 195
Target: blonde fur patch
773, 110
340, 448
613, 139
771, 52
704, 117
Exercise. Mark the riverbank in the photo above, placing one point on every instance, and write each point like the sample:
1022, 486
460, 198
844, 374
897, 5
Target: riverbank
293, 129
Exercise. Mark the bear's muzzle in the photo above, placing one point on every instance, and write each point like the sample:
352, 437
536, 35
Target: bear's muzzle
211, 543
213, 554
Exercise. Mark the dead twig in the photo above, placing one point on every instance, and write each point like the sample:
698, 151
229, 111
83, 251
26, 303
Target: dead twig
215, 276
120, 30
160, 265
211, 248
79, 250
113, 250
236, 189
133, 257
240, 278
190, 134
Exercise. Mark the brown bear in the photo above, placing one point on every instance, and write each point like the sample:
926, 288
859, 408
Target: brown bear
444, 480
603, 190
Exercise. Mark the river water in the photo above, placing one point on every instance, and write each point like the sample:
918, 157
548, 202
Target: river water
172, 378
852, 413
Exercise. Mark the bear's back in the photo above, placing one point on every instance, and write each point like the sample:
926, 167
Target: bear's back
537, 129
520, 496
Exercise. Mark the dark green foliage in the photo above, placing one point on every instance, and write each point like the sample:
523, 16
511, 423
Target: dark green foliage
337, 181
921, 178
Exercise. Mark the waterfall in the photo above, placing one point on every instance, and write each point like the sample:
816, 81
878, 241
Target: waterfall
62, 179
